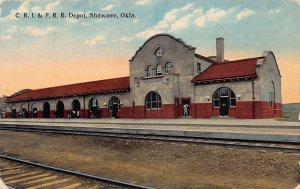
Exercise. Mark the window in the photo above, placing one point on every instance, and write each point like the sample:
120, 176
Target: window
226, 94
93, 103
158, 70
232, 98
271, 98
153, 101
216, 99
158, 52
168, 68
149, 71
114, 102
198, 67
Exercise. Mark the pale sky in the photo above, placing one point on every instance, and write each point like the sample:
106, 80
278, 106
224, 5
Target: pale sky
37, 53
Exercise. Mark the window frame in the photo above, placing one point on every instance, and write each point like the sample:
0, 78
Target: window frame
168, 68
271, 99
158, 70
199, 67
230, 95
149, 71
153, 101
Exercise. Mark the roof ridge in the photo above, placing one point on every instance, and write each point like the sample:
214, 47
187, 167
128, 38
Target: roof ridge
205, 58
240, 60
74, 84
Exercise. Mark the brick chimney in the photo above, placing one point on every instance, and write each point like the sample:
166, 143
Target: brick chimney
220, 49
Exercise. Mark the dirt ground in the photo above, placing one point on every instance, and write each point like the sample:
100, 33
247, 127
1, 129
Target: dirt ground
159, 164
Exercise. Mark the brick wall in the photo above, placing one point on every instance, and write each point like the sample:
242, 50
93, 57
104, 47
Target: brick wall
243, 110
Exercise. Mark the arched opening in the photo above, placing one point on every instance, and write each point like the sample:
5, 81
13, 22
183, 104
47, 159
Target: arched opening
114, 106
75, 109
46, 110
23, 111
60, 108
158, 70
94, 108
149, 71
153, 101
224, 98
13, 111
33, 111
168, 68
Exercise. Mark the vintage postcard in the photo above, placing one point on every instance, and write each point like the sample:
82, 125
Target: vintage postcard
150, 93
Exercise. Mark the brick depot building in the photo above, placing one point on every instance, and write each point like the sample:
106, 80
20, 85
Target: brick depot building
167, 79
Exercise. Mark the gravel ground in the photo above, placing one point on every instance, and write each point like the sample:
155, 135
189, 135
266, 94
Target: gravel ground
159, 164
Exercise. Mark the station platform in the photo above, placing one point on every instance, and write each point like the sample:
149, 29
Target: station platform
267, 130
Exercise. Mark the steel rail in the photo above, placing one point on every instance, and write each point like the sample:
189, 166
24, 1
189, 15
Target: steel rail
77, 173
285, 146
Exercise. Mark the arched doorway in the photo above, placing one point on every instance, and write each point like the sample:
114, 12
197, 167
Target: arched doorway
224, 98
46, 110
13, 111
114, 106
75, 109
23, 111
94, 108
60, 108
33, 111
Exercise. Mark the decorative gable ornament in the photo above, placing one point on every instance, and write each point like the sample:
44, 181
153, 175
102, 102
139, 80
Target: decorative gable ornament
158, 52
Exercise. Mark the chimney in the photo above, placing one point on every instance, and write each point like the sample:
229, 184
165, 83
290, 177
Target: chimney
220, 49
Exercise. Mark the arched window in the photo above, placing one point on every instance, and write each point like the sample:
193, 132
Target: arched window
93, 104
46, 110
158, 70
153, 101
114, 103
149, 71
225, 94
168, 68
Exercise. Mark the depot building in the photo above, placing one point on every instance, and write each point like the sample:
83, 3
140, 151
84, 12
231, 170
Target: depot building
167, 79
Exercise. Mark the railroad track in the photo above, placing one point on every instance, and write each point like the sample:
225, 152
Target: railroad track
281, 146
19, 174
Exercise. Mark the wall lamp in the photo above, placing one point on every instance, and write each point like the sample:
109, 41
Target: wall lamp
104, 104
207, 98
239, 96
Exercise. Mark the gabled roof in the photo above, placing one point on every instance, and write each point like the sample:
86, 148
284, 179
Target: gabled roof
243, 68
93, 87
189, 47
205, 58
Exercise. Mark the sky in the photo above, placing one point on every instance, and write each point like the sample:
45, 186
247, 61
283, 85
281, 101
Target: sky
43, 52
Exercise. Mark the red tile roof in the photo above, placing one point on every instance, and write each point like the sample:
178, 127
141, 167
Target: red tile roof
101, 86
229, 70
